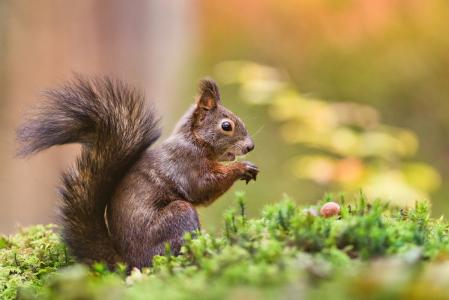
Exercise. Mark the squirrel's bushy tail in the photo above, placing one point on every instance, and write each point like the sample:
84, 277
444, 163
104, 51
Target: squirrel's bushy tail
114, 125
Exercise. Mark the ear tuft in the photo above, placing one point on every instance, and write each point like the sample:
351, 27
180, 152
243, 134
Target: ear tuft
209, 94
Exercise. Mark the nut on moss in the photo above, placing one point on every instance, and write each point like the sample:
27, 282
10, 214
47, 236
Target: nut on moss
330, 209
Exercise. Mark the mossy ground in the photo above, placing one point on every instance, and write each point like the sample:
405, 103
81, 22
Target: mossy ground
367, 252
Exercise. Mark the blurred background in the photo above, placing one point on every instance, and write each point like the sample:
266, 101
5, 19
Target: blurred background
338, 94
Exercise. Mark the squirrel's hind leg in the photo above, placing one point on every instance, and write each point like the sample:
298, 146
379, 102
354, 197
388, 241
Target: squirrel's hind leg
172, 223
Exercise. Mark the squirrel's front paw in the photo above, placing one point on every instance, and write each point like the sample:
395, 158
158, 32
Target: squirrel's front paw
250, 171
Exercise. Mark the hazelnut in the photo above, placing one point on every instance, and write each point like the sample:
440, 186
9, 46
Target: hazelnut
330, 209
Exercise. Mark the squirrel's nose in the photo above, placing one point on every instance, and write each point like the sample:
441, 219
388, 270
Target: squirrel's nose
250, 147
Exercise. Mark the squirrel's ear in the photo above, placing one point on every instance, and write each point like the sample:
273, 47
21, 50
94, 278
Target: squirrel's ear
209, 96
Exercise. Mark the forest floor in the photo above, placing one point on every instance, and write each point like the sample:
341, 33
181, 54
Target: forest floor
367, 251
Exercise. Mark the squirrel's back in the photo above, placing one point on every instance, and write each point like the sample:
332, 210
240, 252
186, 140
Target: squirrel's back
115, 125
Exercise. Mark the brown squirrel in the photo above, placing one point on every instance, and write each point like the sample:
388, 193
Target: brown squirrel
123, 201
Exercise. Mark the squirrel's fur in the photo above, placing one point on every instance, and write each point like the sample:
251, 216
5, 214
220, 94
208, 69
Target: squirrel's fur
123, 201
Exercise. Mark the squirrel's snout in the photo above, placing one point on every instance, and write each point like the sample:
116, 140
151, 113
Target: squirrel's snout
249, 148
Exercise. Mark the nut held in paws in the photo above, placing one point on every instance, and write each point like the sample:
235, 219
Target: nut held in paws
330, 209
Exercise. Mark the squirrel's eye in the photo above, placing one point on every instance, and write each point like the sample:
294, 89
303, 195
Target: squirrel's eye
226, 126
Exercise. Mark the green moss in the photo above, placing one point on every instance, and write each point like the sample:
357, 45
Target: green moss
28, 257
368, 251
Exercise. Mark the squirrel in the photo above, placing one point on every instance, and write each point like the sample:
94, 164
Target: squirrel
123, 200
